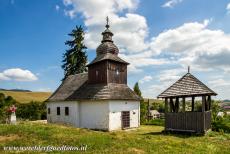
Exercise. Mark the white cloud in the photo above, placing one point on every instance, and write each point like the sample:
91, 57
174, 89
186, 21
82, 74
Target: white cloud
228, 8
221, 87
219, 83
130, 30
195, 45
170, 76
171, 3
146, 79
134, 70
17, 74
57, 7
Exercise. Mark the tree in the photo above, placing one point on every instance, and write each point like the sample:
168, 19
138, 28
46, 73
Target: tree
75, 58
137, 89
2, 99
143, 105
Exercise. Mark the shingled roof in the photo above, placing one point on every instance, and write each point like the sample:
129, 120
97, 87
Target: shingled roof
107, 56
68, 87
109, 91
75, 87
187, 86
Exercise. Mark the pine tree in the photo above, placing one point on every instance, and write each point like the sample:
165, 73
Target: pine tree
137, 89
143, 105
75, 58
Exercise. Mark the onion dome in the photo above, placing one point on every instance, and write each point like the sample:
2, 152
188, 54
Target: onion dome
107, 45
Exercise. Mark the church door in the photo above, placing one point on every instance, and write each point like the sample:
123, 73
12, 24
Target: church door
125, 119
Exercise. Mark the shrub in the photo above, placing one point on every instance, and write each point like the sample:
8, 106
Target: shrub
31, 111
221, 124
157, 122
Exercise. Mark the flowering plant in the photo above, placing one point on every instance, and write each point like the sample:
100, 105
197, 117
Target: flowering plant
12, 109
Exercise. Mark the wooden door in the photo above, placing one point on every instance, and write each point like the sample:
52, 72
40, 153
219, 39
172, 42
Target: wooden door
125, 119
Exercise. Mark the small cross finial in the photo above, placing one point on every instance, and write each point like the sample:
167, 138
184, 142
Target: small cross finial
188, 69
107, 22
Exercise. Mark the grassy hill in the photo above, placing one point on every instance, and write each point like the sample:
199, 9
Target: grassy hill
26, 97
154, 100
146, 139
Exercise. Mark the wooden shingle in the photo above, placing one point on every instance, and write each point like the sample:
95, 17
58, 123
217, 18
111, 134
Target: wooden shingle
187, 86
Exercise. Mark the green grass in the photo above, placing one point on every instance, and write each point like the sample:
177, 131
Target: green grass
146, 139
157, 122
26, 97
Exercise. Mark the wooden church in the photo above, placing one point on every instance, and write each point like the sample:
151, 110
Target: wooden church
99, 99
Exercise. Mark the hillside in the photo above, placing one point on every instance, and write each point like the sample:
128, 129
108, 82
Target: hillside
146, 139
26, 97
154, 100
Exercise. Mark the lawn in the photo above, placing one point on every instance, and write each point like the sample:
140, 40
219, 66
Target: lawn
146, 139
26, 97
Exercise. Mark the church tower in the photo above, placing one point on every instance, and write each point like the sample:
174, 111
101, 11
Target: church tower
107, 67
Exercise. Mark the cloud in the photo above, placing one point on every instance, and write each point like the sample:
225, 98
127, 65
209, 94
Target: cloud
219, 83
57, 7
163, 80
17, 74
134, 70
228, 8
146, 79
221, 87
171, 75
171, 3
93, 10
130, 29
195, 45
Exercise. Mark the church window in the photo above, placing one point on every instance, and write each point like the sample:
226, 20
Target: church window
58, 111
66, 110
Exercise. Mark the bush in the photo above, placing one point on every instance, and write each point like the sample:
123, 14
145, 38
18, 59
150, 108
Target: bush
221, 124
157, 122
31, 111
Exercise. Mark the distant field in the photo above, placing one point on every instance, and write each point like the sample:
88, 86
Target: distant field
153, 100
146, 139
26, 97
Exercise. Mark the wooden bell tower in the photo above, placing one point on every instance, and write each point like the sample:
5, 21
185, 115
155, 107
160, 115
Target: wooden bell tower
107, 67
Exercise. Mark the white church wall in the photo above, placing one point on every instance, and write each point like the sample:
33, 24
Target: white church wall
94, 114
116, 107
72, 118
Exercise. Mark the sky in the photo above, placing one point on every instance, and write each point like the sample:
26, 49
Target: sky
159, 38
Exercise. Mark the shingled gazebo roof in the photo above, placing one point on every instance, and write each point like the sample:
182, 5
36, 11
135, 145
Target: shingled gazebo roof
187, 86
